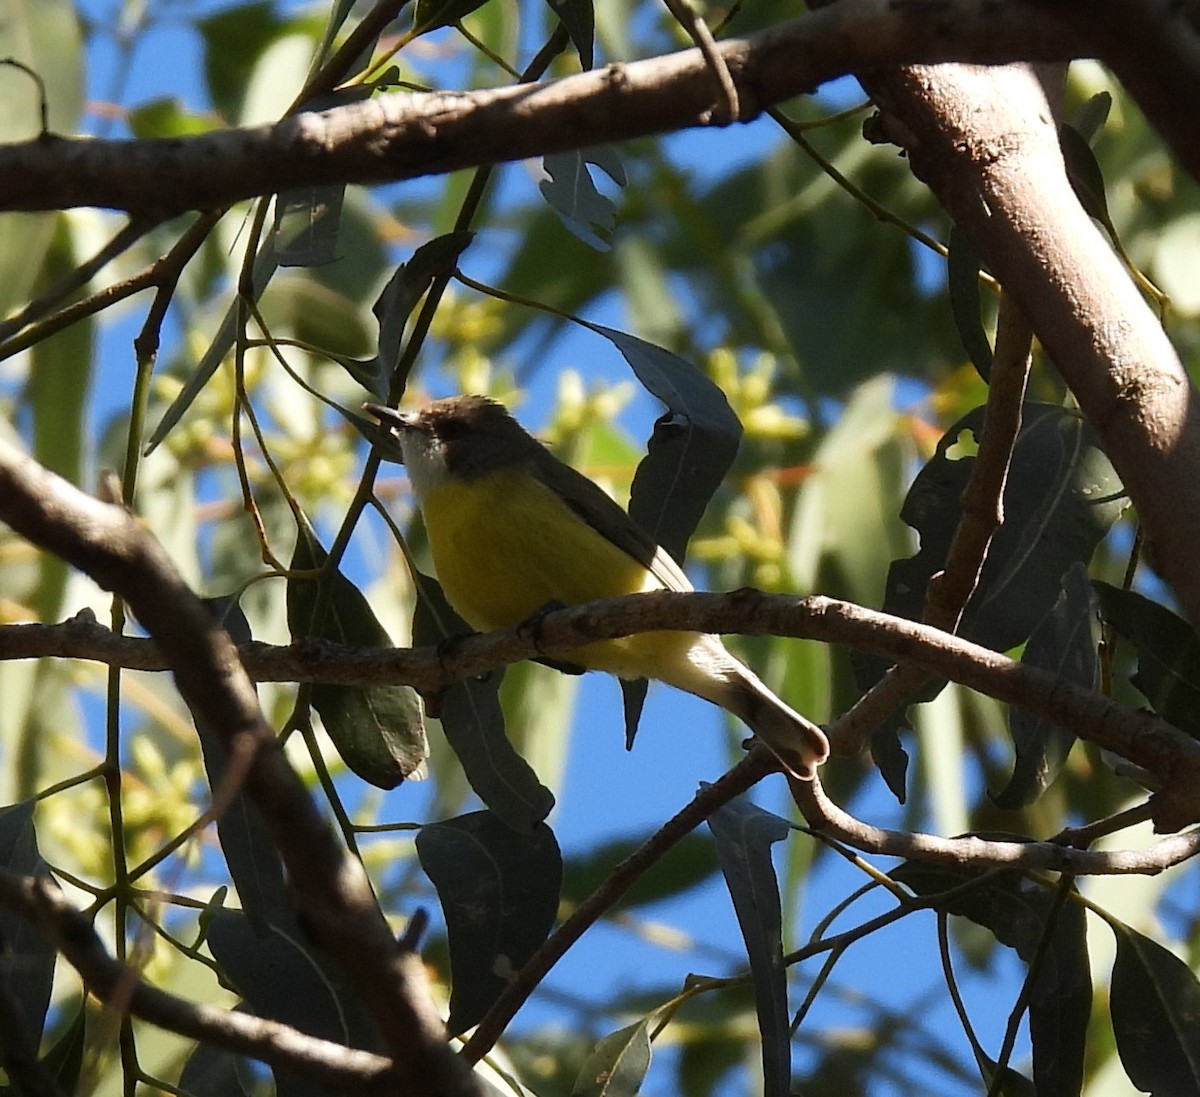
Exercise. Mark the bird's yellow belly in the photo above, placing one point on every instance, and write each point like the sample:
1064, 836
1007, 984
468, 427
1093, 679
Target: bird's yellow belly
505, 546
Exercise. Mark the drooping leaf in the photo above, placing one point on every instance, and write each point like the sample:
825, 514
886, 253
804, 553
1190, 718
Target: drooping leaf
1016, 912
1092, 116
212, 1071
962, 275
889, 755
1083, 171
744, 834
282, 976
431, 14
579, 18
1061, 497
234, 39
473, 721
1155, 1007
1168, 651
379, 731
394, 305
1064, 644
27, 958
692, 447
499, 891
617, 1065
571, 192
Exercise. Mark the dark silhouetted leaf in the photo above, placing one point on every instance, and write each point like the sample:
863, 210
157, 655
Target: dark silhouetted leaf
617, 1065
214, 1072
1155, 1007
499, 893
473, 722
1168, 651
572, 192
889, 755
281, 975
744, 835
962, 274
1061, 497
687, 864
379, 731
394, 306
1083, 170
1065, 644
580, 20
26, 956
1092, 116
633, 700
432, 14
1016, 913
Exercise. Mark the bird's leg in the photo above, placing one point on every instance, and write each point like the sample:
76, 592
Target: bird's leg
532, 627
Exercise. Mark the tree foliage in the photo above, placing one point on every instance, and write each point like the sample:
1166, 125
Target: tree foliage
773, 342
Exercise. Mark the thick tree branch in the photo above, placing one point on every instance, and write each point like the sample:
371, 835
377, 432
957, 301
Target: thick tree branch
986, 142
114, 983
331, 889
403, 135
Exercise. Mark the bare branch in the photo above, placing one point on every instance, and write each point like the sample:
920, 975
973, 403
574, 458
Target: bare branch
114, 983
330, 887
1169, 754
827, 818
403, 135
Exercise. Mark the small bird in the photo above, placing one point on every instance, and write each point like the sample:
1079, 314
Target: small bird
513, 530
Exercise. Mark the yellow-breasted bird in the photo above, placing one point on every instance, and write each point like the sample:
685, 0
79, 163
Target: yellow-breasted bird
513, 529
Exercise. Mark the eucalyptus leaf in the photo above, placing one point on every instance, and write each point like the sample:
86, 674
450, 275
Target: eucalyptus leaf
1155, 1004
379, 731
1168, 654
27, 958
473, 722
617, 1065
962, 275
1065, 644
579, 18
571, 192
499, 891
744, 834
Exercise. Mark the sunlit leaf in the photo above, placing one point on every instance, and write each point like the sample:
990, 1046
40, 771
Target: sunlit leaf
744, 835
432, 14
617, 1065
499, 893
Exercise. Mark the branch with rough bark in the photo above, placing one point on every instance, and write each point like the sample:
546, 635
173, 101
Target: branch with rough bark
404, 135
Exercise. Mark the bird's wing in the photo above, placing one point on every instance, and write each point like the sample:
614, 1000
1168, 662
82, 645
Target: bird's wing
600, 511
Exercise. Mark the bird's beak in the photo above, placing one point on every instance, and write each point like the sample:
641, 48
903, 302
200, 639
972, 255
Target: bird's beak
390, 417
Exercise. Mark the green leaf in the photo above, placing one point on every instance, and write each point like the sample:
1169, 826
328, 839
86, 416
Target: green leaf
617, 1065
1065, 643
27, 958
1092, 116
1168, 652
432, 14
499, 893
572, 192
1061, 497
46, 37
473, 721
1016, 911
744, 835
1155, 1007
889, 755
167, 117
691, 449
234, 39
379, 731
579, 18
212, 1071
281, 975
962, 273
686, 865
1083, 171
432, 260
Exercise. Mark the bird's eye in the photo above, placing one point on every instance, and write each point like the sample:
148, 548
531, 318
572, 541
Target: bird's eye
451, 429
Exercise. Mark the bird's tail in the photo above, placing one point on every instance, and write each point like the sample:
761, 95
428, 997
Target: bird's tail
797, 742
